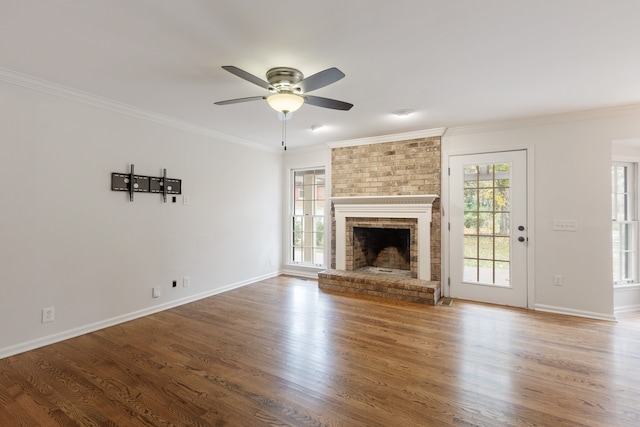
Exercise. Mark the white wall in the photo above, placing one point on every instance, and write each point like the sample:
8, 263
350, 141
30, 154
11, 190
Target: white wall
571, 180
68, 241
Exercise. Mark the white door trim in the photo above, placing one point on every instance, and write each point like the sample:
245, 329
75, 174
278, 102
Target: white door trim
445, 199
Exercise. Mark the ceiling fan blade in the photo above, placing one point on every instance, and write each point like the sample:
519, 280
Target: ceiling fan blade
246, 76
238, 100
321, 79
318, 101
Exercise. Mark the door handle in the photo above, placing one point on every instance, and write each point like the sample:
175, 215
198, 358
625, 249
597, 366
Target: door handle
520, 239
521, 227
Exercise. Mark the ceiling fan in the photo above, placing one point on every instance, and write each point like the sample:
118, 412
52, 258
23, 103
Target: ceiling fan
289, 88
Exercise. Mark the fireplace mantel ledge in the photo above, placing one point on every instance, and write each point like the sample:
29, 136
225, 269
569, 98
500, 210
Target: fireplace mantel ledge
386, 200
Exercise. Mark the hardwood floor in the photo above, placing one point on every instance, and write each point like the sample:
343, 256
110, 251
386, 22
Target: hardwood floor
283, 353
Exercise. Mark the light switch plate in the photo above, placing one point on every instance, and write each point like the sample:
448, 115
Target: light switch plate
565, 225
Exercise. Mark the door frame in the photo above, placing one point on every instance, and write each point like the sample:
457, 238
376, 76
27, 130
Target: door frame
445, 201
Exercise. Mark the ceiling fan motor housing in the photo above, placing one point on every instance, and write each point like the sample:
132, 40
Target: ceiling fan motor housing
284, 78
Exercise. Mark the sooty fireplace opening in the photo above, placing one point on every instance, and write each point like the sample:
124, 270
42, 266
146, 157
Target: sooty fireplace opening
382, 248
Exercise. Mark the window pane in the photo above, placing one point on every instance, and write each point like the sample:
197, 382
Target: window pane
297, 238
485, 225
502, 199
309, 192
486, 200
485, 247
629, 273
621, 207
485, 272
629, 234
470, 223
484, 182
470, 199
502, 224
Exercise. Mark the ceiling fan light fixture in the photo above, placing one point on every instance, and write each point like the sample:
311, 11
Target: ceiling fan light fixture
288, 102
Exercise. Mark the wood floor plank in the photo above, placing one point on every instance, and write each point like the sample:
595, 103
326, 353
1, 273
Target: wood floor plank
282, 353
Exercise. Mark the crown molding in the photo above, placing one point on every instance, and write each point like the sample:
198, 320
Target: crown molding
30, 82
599, 113
427, 133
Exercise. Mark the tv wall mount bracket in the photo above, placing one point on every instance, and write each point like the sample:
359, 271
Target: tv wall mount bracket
132, 183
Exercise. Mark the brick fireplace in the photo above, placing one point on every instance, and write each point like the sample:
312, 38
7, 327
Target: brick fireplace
386, 186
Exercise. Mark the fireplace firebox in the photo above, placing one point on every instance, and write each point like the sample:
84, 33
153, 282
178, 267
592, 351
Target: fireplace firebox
384, 248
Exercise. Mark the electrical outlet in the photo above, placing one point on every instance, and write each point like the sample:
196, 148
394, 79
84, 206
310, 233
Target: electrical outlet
186, 281
48, 314
174, 284
156, 292
558, 280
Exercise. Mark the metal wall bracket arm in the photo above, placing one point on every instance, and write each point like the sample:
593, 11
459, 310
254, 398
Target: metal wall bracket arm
131, 184
164, 185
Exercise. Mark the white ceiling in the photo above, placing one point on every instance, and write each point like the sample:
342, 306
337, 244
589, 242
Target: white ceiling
455, 62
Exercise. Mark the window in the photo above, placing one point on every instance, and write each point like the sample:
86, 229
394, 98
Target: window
625, 223
308, 215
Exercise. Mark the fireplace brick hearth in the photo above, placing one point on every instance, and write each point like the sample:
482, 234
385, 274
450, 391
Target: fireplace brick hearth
381, 285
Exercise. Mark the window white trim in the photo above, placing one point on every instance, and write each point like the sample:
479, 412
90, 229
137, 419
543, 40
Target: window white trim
299, 268
631, 218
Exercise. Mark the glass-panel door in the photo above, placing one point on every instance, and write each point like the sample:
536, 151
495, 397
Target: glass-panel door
488, 227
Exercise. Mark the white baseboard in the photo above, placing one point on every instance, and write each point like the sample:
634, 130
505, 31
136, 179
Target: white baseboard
628, 308
75, 332
307, 272
626, 298
572, 312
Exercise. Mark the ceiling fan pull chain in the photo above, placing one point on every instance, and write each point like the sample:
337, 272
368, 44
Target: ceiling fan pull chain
284, 130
